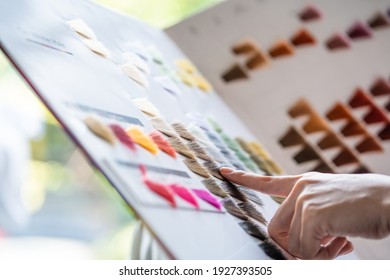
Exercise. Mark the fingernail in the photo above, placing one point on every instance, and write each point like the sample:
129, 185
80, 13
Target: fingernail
226, 170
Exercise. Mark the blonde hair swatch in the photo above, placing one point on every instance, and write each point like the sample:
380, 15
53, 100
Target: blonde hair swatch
100, 129
97, 47
81, 28
161, 125
135, 74
145, 106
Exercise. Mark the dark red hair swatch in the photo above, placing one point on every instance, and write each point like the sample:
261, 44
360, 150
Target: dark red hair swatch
310, 13
337, 41
122, 136
359, 30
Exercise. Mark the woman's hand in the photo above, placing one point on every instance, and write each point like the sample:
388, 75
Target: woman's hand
321, 210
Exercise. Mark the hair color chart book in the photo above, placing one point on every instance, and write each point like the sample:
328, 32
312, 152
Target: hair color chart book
156, 128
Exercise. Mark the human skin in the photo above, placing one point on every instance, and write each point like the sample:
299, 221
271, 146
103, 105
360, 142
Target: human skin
322, 210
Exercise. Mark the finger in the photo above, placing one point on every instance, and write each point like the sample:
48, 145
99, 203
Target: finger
348, 248
313, 240
279, 226
295, 238
332, 250
272, 185
311, 236
327, 239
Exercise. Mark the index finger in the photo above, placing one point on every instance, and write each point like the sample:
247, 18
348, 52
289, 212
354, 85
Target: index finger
272, 185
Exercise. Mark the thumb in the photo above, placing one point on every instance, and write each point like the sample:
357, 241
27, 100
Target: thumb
272, 185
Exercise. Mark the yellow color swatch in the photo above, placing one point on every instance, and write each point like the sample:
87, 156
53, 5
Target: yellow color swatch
142, 139
186, 78
202, 83
186, 66
261, 152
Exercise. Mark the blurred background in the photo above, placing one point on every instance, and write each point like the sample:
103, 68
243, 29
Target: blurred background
54, 204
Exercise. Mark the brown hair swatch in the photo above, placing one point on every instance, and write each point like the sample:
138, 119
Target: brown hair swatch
195, 167
233, 209
253, 228
213, 187
252, 211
